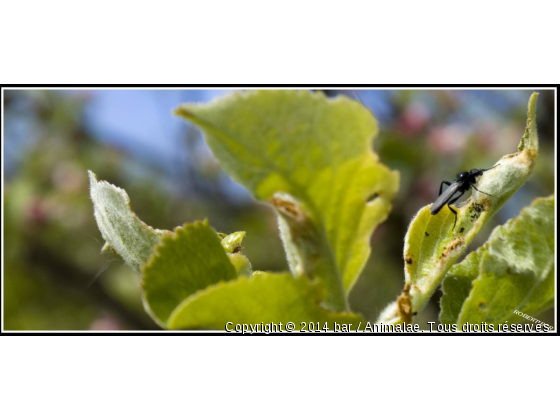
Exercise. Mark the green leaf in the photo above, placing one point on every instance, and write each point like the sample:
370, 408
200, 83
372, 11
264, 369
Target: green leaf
457, 285
432, 245
513, 271
241, 264
263, 298
189, 260
311, 157
123, 231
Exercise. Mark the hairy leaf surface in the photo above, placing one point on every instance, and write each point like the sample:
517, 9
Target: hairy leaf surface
514, 270
123, 231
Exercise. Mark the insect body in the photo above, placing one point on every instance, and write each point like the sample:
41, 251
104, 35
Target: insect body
463, 183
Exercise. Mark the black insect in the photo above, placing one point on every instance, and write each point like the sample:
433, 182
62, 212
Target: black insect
463, 183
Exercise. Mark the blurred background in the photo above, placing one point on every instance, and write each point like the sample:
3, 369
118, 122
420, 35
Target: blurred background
54, 275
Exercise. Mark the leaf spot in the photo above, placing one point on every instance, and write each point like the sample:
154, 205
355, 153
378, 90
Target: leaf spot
404, 304
457, 243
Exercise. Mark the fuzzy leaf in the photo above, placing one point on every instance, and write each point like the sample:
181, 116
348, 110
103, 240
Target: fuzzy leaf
265, 298
432, 245
189, 260
123, 231
316, 153
514, 270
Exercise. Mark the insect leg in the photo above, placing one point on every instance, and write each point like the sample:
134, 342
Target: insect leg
480, 191
452, 209
441, 186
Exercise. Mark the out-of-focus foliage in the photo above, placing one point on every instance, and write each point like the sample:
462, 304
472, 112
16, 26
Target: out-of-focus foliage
54, 271
54, 274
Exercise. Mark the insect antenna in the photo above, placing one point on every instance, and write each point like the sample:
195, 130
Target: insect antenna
480, 191
484, 170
